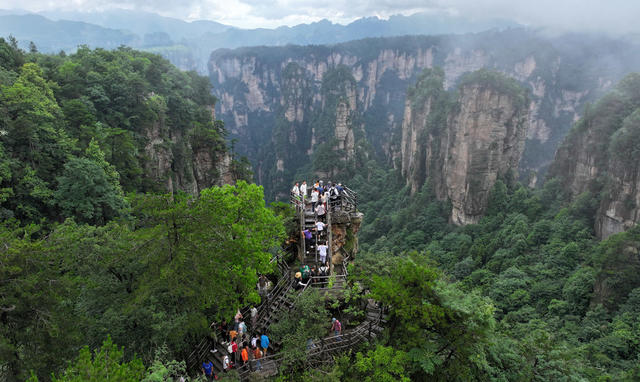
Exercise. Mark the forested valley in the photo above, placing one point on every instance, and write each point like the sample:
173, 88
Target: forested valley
130, 225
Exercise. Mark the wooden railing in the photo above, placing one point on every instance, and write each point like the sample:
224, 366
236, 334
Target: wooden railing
202, 349
346, 201
323, 350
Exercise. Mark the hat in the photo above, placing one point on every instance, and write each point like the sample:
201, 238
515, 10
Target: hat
333, 319
298, 275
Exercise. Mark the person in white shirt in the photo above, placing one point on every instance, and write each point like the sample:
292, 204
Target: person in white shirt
314, 198
320, 227
295, 190
303, 190
320, 211
322, 252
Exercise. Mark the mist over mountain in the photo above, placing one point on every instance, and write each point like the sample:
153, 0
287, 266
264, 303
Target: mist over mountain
189, 44
142, 23
54, 36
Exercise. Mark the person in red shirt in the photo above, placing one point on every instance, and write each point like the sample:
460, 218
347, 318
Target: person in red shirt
234, 350
336, 327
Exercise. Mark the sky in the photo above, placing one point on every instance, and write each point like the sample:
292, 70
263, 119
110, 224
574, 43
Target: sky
610, 15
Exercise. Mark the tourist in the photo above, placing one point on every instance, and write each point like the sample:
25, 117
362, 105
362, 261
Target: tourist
324, 198
303, 190
324, 269
207, 370
320, 211
257, 355
226, 363
307, 239
254, 340
336, 328
322, 252
245, 356
242, 330
319, 227
263, 285
224, 328
295, 191
306, 273
299, 284
236, 320
264, 343
234, 349
314, 198
254, 318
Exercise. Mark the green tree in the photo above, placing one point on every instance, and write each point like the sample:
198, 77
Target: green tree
443, 330
382, 363
38, 328
308, 320
88, 194
106, 364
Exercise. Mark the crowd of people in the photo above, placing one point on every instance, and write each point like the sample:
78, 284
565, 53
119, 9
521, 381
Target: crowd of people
319, 195
242, 348
319, 198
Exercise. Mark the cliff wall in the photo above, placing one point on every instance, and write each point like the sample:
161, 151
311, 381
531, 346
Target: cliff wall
562, 73
601, 155
189, 159
461, 143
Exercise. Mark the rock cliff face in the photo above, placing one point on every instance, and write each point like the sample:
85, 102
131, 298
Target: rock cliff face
183, 160
314, 130
463, 143
251, 84
344, 231
601, 155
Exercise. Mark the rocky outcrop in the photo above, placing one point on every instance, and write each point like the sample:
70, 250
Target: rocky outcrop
601, 155
184, 160
344, 235
620, 206
484, 140
463, 144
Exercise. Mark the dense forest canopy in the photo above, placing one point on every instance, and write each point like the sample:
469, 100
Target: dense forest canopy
80, 131
104, 271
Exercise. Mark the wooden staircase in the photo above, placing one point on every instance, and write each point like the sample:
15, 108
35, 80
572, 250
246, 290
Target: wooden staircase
322, 352
282, 297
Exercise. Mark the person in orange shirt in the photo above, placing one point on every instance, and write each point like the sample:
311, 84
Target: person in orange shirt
233, 334
245, 356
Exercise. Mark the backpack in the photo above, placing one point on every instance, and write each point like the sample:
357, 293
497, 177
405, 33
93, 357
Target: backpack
306, 272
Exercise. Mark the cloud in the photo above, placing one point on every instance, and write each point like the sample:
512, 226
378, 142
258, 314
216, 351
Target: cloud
612, 16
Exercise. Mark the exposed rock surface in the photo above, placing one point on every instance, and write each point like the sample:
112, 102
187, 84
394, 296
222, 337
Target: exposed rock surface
463, 145
344, 231
601, 155
250, 84
176, 161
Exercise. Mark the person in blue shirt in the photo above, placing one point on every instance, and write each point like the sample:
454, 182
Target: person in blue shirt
207, 370
264, 344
